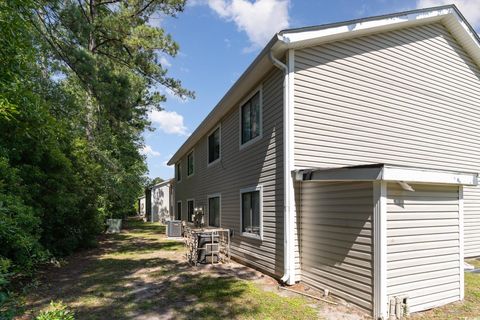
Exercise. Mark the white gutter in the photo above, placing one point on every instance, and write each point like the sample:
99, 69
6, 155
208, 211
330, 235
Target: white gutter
288, 200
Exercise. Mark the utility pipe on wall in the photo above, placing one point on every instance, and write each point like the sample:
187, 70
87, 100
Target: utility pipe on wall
288, 242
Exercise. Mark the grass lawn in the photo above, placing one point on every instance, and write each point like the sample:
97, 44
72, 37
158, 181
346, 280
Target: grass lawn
468, 309
139, 274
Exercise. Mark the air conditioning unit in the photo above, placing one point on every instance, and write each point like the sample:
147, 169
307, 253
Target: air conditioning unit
174, 228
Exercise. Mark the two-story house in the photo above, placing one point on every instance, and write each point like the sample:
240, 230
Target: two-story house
346, 157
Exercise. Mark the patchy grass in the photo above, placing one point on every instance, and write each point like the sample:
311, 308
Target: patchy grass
140, 273
467, 309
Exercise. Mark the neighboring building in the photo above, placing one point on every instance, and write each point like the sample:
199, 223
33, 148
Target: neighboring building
141, 206
160, 203
292, 159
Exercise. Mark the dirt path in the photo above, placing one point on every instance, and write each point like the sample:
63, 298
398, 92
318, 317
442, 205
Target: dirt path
139, 274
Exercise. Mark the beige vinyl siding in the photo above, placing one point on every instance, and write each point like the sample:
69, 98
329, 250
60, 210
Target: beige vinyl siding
336, 239
406, 97
422, 245
258, 164
471, 213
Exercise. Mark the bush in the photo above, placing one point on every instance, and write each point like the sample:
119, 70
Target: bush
56, 311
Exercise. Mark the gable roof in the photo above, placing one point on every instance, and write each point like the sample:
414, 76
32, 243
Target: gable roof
296, 38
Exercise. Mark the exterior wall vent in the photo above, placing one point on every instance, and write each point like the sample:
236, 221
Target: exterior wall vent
398, 307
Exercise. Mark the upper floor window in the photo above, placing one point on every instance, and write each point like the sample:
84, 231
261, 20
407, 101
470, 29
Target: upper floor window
190, 164
214, 146
178, 171
251, 119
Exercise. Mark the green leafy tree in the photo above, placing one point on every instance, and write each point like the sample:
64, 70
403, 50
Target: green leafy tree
77, 79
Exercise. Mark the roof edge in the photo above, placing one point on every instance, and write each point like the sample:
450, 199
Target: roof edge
298, 37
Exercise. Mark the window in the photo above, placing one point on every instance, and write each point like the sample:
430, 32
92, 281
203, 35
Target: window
178, 171
178, 213
190, 210
214, 146
251, 212
251, 119
214, 211
190, 164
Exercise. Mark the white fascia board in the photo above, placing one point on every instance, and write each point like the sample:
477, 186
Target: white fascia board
296, 37
428, 176
389, 173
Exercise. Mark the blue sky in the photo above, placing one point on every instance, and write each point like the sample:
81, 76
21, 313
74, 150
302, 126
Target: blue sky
218, 40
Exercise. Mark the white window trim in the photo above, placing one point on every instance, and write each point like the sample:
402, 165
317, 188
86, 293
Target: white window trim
246, 190
188, 200
179, 163
209, 164
219, 196
181, 209
259, 90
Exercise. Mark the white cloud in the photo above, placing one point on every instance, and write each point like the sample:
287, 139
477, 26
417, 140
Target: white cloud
164, 62
148, 151
469, 8
168, 121
260, 20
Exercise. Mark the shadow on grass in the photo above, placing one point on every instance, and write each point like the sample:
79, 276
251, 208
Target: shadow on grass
112, 287
122, 280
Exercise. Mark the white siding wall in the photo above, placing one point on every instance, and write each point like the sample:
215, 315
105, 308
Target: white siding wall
336, 239
161, 203
408, 97
259, 163
422, 245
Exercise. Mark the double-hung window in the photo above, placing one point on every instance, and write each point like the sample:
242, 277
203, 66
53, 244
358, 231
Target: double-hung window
190, 210
251, 212
178, 171
214, 145
178, 213
214, 211
190, 164
251, 119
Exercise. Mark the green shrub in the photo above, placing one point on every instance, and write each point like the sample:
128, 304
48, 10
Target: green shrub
56, 311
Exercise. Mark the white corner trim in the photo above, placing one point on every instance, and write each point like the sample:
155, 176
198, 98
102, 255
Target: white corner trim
461, 238
380, 301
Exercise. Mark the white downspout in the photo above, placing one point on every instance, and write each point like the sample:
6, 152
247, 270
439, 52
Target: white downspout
288, 242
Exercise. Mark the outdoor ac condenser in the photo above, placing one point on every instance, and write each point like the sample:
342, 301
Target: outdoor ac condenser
174, 228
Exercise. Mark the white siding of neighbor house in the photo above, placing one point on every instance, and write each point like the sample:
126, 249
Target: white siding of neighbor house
423, 243
407, 97
336, 239
161, 203
260, 163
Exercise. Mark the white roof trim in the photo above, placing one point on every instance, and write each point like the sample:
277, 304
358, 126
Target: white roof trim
389, 173
292, 37
304, 37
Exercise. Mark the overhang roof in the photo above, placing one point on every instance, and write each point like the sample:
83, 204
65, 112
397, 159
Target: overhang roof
384, 172
449, 15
